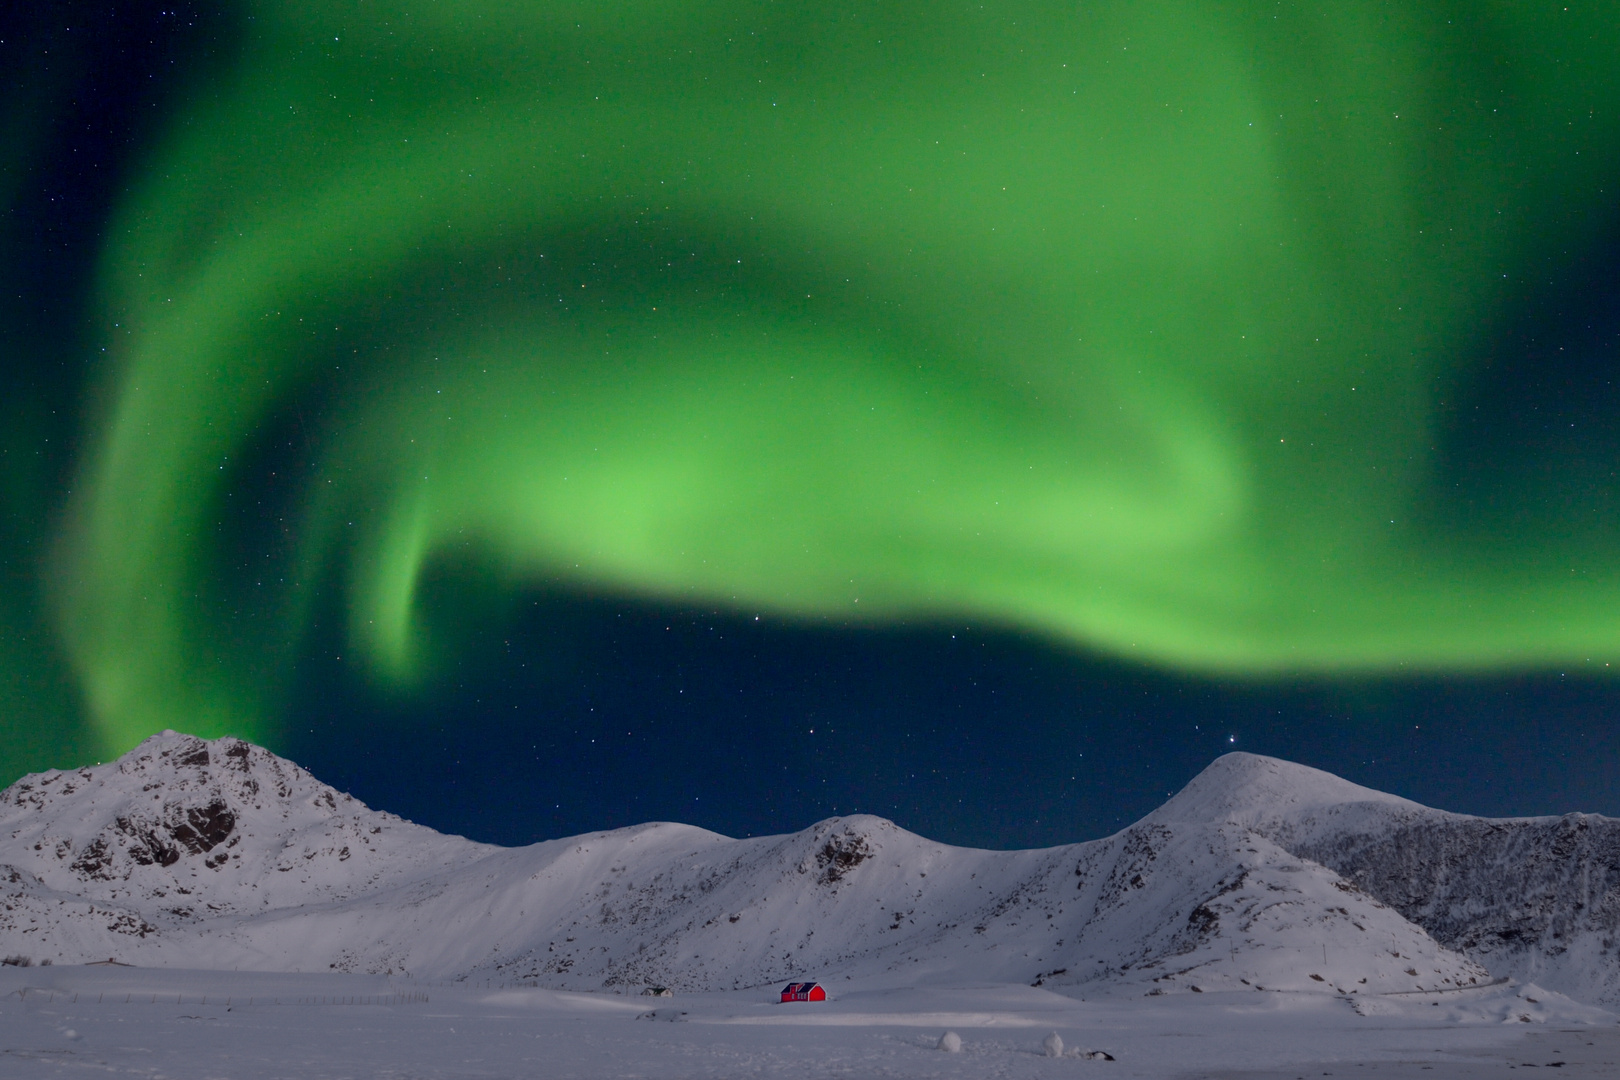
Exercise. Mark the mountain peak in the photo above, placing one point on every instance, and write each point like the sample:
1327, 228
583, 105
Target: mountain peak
1247, 789
222, 823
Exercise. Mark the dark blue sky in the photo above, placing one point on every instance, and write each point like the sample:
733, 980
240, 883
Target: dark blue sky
593, 712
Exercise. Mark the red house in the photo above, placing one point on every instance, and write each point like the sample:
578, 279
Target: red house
803, 992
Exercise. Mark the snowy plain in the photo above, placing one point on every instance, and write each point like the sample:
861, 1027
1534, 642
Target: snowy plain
185, 1025
1270, 920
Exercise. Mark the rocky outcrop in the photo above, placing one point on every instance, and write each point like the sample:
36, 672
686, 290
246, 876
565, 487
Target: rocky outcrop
1536, 899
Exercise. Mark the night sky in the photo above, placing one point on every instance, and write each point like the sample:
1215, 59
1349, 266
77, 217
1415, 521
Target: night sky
535, 422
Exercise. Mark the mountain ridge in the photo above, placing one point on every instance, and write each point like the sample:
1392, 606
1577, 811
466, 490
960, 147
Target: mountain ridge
1260, 874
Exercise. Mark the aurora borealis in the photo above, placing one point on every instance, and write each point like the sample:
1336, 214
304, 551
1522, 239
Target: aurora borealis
1201, 336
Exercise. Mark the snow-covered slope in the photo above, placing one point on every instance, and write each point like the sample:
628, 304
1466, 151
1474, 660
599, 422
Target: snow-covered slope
1216, 890
180, 834
1269, 795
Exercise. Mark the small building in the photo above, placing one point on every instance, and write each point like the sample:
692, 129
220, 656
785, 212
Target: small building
803, 991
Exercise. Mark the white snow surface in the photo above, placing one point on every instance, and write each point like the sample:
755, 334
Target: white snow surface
1259, 877
203, 1025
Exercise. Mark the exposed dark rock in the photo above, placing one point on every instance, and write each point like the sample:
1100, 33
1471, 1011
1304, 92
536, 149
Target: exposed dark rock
1490, 888
205, 826
841, 854
95, 861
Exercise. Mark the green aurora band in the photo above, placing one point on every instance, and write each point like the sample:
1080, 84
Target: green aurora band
1129, 324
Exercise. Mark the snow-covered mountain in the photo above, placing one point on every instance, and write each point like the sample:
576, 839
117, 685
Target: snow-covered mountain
1530, 898
1260, 874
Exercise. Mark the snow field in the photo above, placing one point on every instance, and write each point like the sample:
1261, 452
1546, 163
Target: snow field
458, 1033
